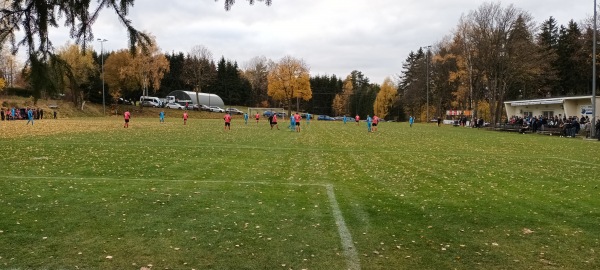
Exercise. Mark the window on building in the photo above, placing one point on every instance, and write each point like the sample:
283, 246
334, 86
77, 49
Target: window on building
548, 114
525, 114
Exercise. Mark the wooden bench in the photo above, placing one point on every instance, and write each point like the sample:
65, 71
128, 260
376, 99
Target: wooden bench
511, 128
551, 131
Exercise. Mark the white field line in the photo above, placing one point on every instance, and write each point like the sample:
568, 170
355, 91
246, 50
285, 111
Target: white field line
161, 180
266, 148
306, 149
576, 161
350, 253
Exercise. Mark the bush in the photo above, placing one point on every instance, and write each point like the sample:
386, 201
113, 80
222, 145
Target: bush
21, 92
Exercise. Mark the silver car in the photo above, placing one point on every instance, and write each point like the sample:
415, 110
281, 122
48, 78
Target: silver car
216, 109
175, 106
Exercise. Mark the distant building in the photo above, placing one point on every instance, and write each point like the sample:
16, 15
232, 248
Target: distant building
549, 107
202, 98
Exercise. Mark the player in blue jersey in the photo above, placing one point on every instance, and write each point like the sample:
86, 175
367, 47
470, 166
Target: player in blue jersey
292, 126
29, 116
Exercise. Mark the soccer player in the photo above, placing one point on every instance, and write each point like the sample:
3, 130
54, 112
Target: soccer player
227, 119
308, 119
257, 116
185, 117
246, 118
297, 119
126, 116
357, 119
369, 120
292, 125
411, 120
274, 121
162, 116
375, 122
344, 119
29, 116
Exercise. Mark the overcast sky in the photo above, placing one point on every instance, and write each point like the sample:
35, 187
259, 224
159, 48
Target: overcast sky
332, 36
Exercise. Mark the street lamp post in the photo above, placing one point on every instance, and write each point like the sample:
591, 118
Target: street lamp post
593, 126
101, 40
427, 78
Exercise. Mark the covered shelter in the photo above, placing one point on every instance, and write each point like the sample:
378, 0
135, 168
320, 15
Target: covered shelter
550, 107
202, 98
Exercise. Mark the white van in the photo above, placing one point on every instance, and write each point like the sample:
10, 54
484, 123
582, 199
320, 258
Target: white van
150, 101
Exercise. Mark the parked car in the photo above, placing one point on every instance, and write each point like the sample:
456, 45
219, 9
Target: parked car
268, 113
124, 101
147, 103
204, 108
216, 109
325, 118
175, 106
193, 107
233, 111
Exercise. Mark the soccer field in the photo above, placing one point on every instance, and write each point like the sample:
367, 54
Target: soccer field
88, 193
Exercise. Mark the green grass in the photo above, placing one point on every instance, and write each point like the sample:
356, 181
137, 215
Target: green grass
196, 197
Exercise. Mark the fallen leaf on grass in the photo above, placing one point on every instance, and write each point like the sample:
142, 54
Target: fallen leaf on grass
527, 231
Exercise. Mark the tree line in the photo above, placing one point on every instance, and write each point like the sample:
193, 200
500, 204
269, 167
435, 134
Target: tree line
496, 53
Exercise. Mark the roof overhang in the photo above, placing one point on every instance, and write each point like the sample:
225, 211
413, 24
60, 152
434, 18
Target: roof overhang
537, 102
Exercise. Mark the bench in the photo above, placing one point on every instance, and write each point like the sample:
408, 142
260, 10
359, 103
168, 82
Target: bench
511, 128
551, 131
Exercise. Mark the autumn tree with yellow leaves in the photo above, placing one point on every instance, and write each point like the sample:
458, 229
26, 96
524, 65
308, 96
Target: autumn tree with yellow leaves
81, 68
289, 79
7, 69
144, 70
115, 75
341, 102
385, 98
149, 66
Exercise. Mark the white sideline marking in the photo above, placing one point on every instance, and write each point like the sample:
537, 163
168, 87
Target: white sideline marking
576, 161
350, 253
345, 236
161, 180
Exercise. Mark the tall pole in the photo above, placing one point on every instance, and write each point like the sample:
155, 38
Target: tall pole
427, 79
102, 63
593, 131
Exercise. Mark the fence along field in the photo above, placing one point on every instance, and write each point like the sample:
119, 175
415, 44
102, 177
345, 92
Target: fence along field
175, 196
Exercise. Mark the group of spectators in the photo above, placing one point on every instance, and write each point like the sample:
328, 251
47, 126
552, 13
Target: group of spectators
464, 122
13, 113
569, 126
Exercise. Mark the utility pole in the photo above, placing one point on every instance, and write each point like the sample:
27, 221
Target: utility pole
427, 78
101, 40
593, 126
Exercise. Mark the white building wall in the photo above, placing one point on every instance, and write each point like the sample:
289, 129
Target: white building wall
570, 106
